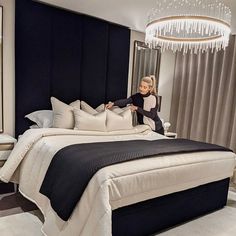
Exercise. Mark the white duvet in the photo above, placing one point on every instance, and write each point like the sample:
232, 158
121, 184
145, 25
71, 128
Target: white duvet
113, 186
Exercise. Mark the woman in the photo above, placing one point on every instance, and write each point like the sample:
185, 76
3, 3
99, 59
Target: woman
144, 103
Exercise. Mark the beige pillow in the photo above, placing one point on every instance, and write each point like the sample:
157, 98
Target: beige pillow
87, 108
119, 110
63, 114
75, 104
86, 121
122, 121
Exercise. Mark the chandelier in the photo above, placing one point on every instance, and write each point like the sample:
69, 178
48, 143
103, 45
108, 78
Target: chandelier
195, 25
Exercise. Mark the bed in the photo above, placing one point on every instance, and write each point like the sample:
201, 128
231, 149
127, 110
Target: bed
131, 198
138, 198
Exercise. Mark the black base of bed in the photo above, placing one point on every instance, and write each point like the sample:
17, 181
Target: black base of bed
152, 216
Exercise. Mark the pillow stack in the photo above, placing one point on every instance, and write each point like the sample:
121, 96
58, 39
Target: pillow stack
101, 119
81, 116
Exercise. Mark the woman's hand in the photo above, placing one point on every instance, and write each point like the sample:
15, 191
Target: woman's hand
109, 105
133, 108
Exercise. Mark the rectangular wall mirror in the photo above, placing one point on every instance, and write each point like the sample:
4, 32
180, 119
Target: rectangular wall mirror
146, 62
1, 69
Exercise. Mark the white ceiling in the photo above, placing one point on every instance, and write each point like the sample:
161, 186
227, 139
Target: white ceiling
131, 13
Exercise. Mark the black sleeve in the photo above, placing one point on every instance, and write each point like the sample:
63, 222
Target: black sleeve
123, 102
150, 114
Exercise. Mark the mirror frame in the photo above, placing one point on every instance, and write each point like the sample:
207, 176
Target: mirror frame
1, 79
156, 72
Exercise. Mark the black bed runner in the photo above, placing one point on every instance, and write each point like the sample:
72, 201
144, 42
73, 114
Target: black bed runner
73, 166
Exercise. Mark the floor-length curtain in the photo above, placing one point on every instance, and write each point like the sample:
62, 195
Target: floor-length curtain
204, 96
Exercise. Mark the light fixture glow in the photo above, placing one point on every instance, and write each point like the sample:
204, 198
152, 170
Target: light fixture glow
194, 25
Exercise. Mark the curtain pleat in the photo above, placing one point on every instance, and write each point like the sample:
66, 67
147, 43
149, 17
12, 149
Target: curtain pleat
204, 96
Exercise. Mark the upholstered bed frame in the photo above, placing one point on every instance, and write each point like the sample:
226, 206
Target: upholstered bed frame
155, 215
72, 56
66, 55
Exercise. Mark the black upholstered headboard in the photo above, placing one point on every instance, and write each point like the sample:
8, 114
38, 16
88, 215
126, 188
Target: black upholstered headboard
67, 55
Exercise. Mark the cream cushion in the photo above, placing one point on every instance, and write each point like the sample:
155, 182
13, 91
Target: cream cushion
87, 108
63, 114
121, 121
119, 110
86, 121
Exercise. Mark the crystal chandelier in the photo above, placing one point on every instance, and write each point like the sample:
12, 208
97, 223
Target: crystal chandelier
195, 25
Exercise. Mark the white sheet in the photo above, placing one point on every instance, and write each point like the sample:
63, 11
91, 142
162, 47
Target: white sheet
111, 187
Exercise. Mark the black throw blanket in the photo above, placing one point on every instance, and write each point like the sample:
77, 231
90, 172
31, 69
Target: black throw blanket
73, 166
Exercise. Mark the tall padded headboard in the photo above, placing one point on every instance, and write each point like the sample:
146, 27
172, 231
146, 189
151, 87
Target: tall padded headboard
67, 55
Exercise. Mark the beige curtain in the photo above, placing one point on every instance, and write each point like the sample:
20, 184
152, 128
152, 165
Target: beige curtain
204, 96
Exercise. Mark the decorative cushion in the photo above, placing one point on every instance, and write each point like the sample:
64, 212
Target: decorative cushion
87, 108
86, 121
119, 110
42, 118
63, 114
75, 104
121, 121
35, 127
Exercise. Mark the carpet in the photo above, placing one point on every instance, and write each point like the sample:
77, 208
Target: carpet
219, 223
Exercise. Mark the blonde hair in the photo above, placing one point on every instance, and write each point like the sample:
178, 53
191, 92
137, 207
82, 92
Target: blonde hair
151, 81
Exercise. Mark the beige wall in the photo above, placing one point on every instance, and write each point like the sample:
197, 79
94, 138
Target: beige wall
8, 65
166, 83
166, 70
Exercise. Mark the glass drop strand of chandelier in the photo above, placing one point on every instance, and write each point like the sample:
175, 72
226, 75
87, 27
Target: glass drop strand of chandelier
189, 19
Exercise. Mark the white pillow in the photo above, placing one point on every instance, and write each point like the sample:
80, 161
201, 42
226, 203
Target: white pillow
43, 118
35, 127
86, 121
87, 108
75, 104
119, 110
121, 121
63, 114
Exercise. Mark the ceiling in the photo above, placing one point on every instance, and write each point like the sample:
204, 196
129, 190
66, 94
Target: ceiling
131, 13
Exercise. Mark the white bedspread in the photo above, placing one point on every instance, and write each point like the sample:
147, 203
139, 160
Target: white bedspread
113, 186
